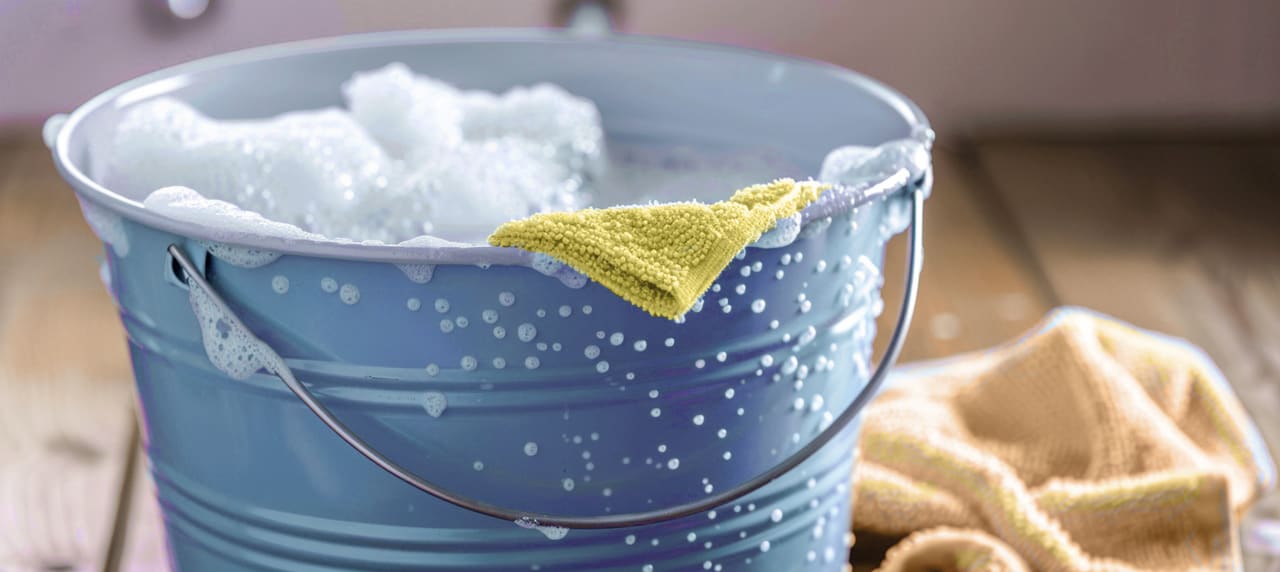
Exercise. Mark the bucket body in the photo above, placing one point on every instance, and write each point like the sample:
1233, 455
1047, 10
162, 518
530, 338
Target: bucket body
495, 380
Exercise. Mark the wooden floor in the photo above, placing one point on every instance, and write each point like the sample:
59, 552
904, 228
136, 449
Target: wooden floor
1177, 236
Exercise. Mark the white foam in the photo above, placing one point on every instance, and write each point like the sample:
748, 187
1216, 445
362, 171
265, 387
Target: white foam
544, 112
854, 164
242, 256
413, 156
782, 234
419, 273
434, 403
311, 169
403, 111
186, 205
551, 532
232, 349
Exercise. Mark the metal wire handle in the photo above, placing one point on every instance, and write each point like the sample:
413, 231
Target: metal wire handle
915, 260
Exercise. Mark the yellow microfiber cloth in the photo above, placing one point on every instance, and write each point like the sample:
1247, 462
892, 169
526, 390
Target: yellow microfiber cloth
659, 257
1086, 445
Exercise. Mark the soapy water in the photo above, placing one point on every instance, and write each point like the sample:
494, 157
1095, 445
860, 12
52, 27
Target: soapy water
410, 156
415, 161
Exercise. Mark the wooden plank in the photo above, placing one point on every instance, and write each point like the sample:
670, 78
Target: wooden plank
1176, 237
65, 387
143, 540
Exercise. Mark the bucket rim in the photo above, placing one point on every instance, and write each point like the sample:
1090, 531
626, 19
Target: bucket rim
165, 79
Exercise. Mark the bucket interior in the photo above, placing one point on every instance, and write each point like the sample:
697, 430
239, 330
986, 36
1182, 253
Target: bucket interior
655, 92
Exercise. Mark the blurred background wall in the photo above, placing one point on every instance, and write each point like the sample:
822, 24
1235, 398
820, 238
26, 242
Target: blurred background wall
974, 66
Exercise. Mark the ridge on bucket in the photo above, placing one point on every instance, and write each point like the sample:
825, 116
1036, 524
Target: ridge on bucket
474, 391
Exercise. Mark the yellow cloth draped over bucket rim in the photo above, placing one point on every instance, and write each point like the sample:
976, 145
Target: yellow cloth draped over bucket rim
660, 257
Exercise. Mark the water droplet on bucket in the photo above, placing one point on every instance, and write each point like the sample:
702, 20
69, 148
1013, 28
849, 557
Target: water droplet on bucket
442, 305
764, 546
499, 332
349, 294
776, 515
807, 336
640, 345
280, 284
673, 464
413, 304
530, 448
329, 285
568, 484
616, 339
789, 366
565, 311
699, 419
602, 366
816, 403
526, 332
479, 466
469, 363
489, 316
506, 298
591, 351
532, 362
655, 412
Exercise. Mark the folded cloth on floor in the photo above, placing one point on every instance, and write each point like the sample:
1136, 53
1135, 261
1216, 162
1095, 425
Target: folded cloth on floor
1088, 444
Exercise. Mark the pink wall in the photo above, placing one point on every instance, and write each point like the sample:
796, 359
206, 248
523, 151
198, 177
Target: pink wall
972, 65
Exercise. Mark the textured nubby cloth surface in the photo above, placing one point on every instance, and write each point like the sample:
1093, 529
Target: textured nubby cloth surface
659, 257
1086, 445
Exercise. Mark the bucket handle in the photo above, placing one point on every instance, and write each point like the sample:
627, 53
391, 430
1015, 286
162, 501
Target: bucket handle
915, 260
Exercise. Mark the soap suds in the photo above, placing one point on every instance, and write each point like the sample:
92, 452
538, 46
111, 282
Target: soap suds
409, 156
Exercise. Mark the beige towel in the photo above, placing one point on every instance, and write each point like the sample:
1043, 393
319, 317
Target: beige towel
1086, 445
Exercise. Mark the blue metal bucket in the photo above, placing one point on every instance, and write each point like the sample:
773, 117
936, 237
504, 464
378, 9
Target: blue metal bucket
493, 381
